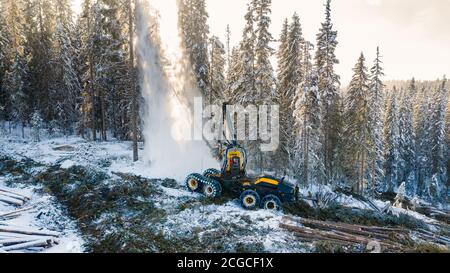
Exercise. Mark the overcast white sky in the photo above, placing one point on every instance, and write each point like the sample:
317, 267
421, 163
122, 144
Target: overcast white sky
414, 35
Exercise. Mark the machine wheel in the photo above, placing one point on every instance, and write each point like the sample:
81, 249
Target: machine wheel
212, 188
272, 202
211, 172
250, 200
194, 182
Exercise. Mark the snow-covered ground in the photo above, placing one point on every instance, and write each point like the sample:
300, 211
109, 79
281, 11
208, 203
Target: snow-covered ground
115, 156
205, 220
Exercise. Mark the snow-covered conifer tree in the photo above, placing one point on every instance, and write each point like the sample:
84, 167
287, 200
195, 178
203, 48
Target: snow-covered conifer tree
437, 138
376, 99
290, 75
36, 126
217, 71
265, 81
358, 145
308, 159
407, 155
329, 92
4, 63
264, 74
65, 83
243, 88
193, 19
391, 142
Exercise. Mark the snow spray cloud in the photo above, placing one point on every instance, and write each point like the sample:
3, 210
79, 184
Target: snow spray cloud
175, 139
166, 88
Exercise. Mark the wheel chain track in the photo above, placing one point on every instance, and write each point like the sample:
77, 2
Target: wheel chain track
207, 181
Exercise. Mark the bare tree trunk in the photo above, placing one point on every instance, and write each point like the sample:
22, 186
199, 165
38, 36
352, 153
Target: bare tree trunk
91, 84
103, 105
134, 99
363, 171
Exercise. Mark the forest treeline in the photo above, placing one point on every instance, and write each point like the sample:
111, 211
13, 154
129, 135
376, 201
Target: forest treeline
76, 74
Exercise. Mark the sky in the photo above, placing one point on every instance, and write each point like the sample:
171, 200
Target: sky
413, 35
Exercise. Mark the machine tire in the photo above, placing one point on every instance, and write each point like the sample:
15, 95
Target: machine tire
271, 202
211, 188
250, 200
194, 182
211, 172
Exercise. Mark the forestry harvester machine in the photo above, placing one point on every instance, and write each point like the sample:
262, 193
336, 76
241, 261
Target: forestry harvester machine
265, 192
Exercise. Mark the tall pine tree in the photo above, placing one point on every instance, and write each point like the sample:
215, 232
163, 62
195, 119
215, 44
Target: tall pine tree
193, 19
290, 75
358, 144
265, 81
308, 159
376, 99
391, 142
217, 71
406, 143
243, 88
65, 83
329, 92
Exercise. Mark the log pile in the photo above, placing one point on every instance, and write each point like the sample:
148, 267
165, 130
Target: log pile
390, 239
14, 238
13, 198
20, 238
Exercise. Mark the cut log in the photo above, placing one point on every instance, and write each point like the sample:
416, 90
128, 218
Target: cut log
16, 212
11, 201
333, 225
341, 237
36, 243
15, 196
2, 189
25, 239
392, 238
28, 231
6, 235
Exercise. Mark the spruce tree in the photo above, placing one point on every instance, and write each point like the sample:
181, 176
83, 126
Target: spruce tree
194, 32
17, 75
16, 85
391, 143
376, 98
264, 74
329, 92
308, 159
290, 75
111, 65
265, 81
65, 83
4, 63
282, 55
217, 71
233, 75
41, 43
407, 155
243, 88
37, 124
447, 128
358, 143
437, 138
228, 49
87, 32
